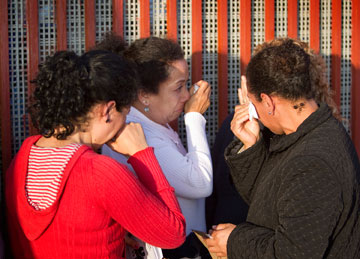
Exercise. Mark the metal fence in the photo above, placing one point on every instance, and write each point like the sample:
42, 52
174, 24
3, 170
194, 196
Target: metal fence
217, 37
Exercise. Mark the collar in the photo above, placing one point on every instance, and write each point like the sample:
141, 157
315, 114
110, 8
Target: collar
279, 143
157, 129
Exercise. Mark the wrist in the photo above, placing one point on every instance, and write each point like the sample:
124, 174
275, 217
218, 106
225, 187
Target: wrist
138, 149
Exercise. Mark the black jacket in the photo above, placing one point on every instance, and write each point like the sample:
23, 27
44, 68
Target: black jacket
303, 191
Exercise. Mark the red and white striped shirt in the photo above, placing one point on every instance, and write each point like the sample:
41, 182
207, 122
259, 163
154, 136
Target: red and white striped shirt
45, 170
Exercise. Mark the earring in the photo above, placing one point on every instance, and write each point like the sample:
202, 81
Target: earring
269, 113
146, 109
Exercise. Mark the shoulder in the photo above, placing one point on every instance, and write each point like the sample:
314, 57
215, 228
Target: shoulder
330, 141
97, 165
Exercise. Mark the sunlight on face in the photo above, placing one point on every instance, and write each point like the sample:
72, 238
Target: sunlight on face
169, 102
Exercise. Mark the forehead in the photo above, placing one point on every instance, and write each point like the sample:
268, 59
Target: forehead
178, 73
178, 68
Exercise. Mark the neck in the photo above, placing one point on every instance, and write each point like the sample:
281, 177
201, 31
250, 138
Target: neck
77, 137
141, 108
295, 113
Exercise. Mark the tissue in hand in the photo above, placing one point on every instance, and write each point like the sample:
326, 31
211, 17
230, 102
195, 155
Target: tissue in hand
252, 112
196, 87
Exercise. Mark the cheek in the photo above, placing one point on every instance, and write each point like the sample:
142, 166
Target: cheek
171, 101
120, 121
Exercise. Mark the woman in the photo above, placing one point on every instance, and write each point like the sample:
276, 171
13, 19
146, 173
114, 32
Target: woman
63, 199
163, 96
300, 174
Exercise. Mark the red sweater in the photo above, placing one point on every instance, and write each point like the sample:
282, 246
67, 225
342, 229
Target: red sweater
98, 201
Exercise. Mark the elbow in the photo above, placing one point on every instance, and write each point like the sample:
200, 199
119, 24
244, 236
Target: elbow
206, 192
179, 241
182, 233
178, 236
196, 192
209, 190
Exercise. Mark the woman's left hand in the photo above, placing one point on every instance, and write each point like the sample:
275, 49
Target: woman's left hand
199, 101
130, 140
220, 235
246, 130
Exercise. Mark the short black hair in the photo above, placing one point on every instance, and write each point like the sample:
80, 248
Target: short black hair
67, 87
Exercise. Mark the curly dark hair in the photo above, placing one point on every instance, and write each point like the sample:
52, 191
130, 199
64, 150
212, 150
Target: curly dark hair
152, 56
111, 42
283, 70
318, 70
68, 86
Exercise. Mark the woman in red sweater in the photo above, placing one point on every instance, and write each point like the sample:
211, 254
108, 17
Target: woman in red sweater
63, 199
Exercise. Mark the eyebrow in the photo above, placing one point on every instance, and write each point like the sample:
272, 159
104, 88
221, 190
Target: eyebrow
180, 81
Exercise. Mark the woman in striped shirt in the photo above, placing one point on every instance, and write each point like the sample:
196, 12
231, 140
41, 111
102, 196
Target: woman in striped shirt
64, 199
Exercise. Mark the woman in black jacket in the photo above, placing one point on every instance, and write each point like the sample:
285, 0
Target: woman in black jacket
300, 175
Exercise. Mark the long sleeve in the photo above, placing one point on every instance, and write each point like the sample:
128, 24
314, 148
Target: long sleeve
309, 203
245, 167
191, 173
146, 207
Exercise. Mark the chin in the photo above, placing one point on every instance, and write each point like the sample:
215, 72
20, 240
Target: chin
176, 115
277, 131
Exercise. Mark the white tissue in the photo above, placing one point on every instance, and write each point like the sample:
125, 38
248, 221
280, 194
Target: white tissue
196, 87
252, 112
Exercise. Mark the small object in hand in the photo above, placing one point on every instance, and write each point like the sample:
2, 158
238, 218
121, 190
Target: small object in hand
196, 87
203, 234
252, 112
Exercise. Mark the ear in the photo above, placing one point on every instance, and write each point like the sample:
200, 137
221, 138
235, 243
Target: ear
143, 97
142, 94
268, 103
107, 109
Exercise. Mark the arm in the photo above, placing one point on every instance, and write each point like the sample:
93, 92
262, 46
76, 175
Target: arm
189, 174
245, 166
146, 207
308, 206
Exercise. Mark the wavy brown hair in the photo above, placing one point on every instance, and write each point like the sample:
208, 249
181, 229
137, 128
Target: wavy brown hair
317, 70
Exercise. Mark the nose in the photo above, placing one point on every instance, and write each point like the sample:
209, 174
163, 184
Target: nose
185, 95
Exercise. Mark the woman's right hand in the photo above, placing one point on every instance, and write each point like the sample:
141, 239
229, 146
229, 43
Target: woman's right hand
130, 140
244, 129
199, 101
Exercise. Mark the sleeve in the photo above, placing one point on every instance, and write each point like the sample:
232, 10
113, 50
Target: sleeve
308, 207
147, 206
245, 167
190, 174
